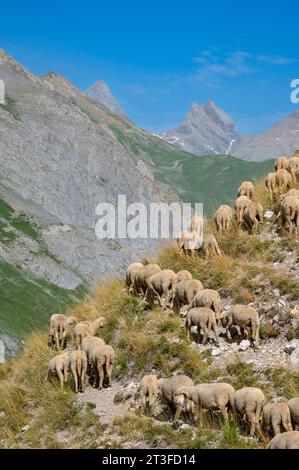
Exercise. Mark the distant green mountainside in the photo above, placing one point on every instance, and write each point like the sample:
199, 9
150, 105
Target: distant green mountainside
210, 179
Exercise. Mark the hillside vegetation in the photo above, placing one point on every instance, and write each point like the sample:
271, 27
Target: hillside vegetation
34, 413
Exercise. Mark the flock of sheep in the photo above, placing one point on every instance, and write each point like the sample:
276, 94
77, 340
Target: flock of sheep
201, 308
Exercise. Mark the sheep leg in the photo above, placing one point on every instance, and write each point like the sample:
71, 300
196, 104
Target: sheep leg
199, 417
101, 376
109, 370
286, 423
75, 377
96, 377
205, 334
82, 378
252, 422
60, 377
223, 410
57, 340
178, 413
214, 328
276, 427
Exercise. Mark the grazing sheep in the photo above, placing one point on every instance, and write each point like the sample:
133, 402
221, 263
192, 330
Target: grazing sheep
293, 404
205, 320
58, 329
240, 204
275, 415
212, 396
223, 218
102, 359
270, 183
247, 189
282, 163
130, 274
188, 241
209, 298
185, 292
142, 276
294, 168
90, 342
253, 216
244, 316
184, 275
289, 209
87, 328
161, 285
285, 440
148, 389
210, 246
284, 180
58, 366
166, 391
77, 364
249, 401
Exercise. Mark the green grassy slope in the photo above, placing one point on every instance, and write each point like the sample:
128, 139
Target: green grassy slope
210, 179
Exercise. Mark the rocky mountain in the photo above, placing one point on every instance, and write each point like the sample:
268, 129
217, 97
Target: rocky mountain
205, 129
100, 92
208, 129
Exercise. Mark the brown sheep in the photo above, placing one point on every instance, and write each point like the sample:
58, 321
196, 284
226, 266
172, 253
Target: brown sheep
244, 316
248, 401
209, 298
270, 183
284, 180
130, 275
185, 292
183, 275
141, 278
205, 320
223, 218
210, 246
247, 189
161, 285
102, 359
286, 440
289, 209
240, 204
58, 366
282, 163
253, 216
148, 389
275, 415
77, 364
58, 329
87, 328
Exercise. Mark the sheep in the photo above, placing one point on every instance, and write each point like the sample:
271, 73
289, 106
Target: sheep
161, 284
276, 414
141, 277
293, 404
209, 298
247, 189
90, 342
87, 328
285, 440
270, 183
102, 359
282, 163
210, 246
58, 366
212, 396
294, 167
185, 292
289, 209
77, 364
148, 389
188, 241
240, 204
223, 218
284, 180
245, 317
291, 192
130, 275
58, 329
249, 401
196, 225
205, 320
166, 392
253, 216
183, 275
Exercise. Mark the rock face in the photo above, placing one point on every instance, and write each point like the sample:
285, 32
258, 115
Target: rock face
101, 93
207, 129
204, 130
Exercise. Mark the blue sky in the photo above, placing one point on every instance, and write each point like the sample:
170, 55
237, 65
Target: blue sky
159, 56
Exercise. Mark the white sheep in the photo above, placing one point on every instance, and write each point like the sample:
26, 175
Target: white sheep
249, 402
87, 328
285, 440
244, 316
275, 415
77, 364
148, 390
205, 320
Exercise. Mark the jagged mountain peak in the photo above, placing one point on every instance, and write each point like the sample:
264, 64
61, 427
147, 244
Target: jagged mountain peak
101, 93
